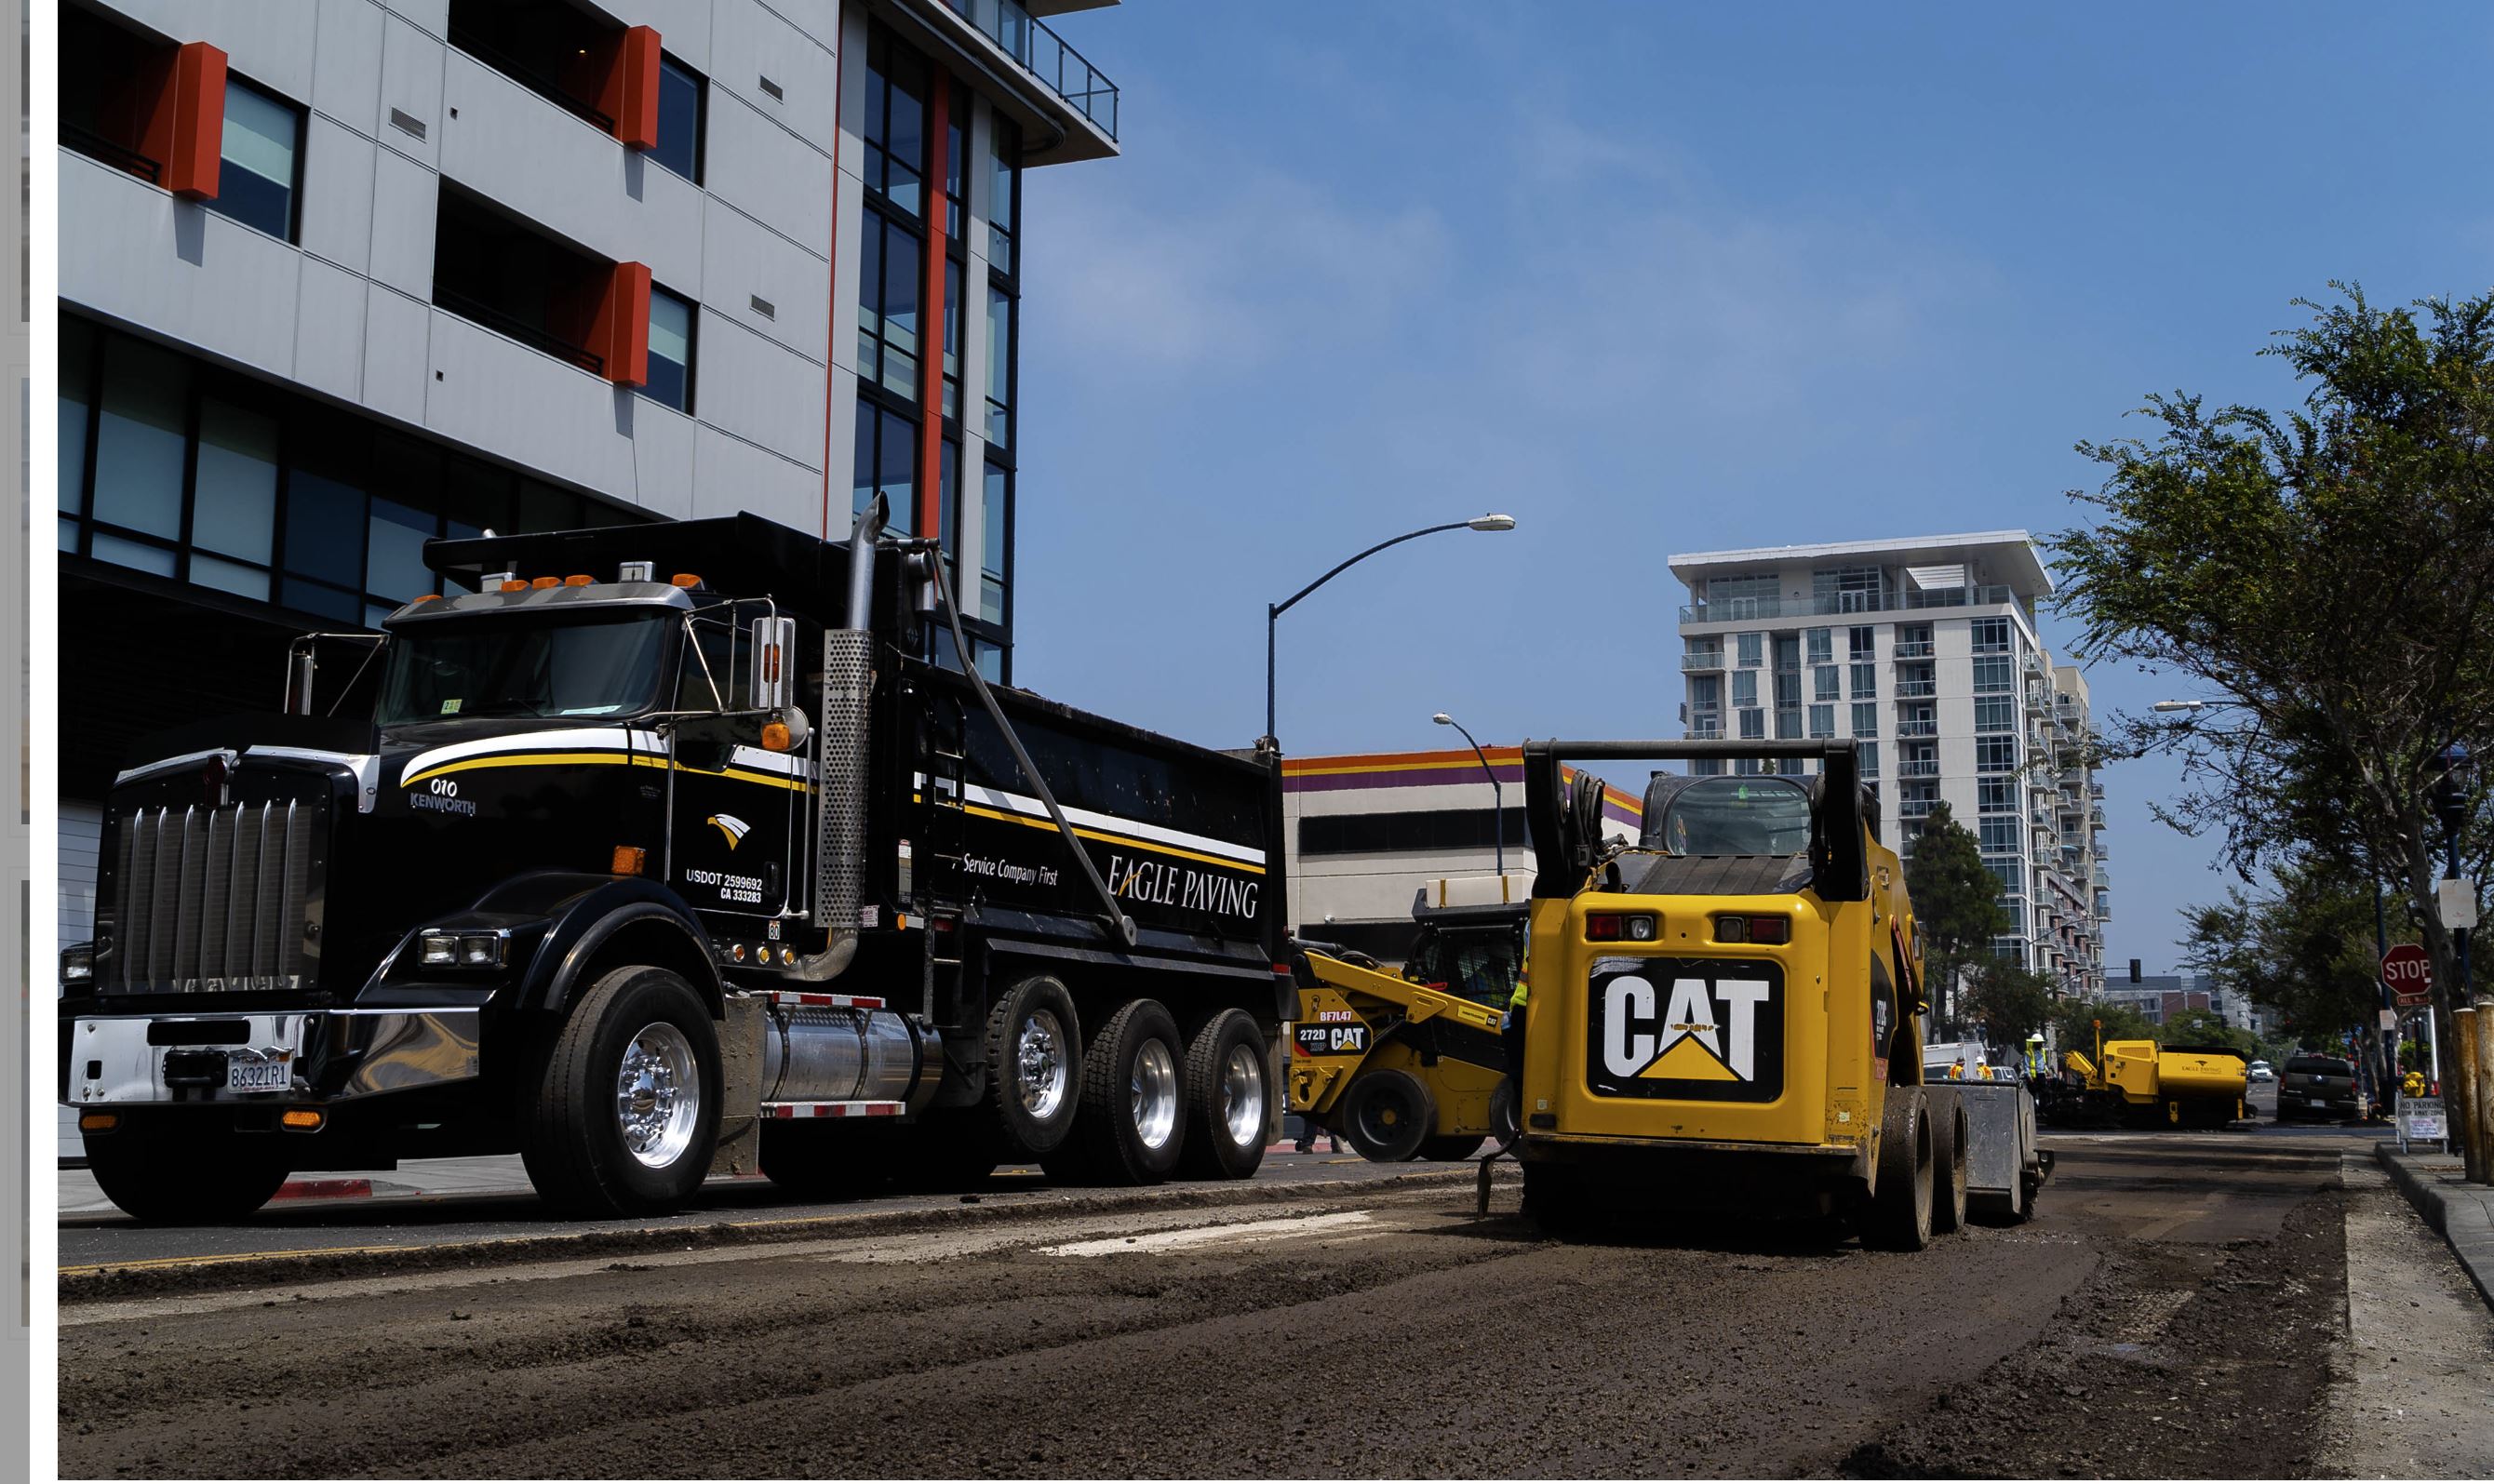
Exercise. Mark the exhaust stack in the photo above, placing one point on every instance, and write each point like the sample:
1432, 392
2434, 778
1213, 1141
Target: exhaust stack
840, 817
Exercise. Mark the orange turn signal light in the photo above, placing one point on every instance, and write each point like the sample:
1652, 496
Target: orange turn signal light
547, 581
774, 736
427, 597
576, 580
515, 585
306, 1119
628, 859
685, 580
99, 1123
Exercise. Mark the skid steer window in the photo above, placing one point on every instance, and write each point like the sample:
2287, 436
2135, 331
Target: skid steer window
1737, 816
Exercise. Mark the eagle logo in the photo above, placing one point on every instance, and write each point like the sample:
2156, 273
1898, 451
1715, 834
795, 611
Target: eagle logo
730, 826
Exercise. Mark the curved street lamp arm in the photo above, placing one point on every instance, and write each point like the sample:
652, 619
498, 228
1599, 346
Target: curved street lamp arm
1284, 606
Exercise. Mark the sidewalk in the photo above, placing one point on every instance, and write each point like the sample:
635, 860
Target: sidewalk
2463, 1213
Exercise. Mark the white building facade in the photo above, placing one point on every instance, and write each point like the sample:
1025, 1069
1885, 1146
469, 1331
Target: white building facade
1926, 650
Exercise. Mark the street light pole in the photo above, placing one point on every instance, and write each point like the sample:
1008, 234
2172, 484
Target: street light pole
1497, 795
1274, 611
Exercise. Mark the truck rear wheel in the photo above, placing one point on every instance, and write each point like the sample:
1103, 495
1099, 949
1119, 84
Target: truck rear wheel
1948, 1158
1386, 1114
1227, 1100
1034, 1064
626, 1110
187, 1172
1132, 1126
1899, 1217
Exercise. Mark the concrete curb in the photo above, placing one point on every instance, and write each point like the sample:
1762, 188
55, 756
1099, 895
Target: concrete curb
2463, 1213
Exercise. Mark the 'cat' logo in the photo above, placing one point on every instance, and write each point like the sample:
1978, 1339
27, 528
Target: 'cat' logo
1702, 1029
731, 827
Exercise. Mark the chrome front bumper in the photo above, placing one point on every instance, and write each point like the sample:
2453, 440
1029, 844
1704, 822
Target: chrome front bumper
115, 1059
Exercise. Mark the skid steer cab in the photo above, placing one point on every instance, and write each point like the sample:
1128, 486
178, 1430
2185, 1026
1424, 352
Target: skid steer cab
1411, 1065
1728, 1012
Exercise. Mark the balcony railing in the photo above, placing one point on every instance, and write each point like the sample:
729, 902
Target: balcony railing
1917, 691
1919, 649
1918, 729
518, 330
95, 146
1918, 768
1044, 55
1698, 732
1702, 659
1916, 808
1735, 610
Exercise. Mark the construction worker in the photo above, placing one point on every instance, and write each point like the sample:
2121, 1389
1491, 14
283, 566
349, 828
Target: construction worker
1957, 1069
2035, 1054
1982, 1072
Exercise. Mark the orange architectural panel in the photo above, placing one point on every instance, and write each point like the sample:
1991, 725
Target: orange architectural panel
630, 95
186, 128
621, 330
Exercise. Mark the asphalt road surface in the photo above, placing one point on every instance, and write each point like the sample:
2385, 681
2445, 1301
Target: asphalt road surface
2172, 1311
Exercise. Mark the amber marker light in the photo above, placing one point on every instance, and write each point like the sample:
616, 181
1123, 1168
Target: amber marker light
685, 580
628, 859
547, 581
304, 1120
577, 580
99, 1123
515, 585
774, 736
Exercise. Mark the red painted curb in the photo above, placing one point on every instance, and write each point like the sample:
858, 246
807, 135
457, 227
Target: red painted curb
321, 1189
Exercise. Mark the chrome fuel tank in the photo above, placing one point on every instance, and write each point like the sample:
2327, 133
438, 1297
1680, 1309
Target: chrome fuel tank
819, 1054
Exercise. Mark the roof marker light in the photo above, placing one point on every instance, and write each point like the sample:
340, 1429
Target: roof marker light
514, 584
577, 580
685, 580
547, 581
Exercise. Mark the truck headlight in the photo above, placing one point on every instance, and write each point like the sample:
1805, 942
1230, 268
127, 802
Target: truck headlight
444, 950
78, 964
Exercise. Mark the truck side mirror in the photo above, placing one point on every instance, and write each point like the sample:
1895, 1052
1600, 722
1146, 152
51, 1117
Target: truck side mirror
774, 652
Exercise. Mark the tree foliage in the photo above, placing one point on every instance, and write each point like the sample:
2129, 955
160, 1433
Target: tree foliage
2010, 1003
2326, 571
1956, 896
2206, 1028
2306, 949
2073, 1024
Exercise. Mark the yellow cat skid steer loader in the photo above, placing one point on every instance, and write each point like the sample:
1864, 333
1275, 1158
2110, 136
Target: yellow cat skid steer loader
1728, 1012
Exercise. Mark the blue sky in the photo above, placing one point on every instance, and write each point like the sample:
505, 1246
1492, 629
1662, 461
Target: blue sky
1657, 279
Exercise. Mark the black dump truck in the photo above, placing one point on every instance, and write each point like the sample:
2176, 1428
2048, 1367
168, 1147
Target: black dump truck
659, 851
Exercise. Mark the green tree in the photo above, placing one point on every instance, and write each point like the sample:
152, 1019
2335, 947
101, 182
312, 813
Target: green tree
1957, 908
2010, 1001
2329, 571
2305, 948
2073, 1024
2205, 1028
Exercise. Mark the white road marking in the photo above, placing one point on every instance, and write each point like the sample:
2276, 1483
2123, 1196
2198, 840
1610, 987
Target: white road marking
1240, 1233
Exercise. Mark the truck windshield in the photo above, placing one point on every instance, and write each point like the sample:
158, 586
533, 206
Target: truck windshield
591, 665
1738, 817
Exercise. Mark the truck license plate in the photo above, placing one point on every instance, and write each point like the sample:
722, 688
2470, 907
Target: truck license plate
2318, 1101
252, 1073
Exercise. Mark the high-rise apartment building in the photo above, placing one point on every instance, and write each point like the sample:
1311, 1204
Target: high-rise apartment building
1925, 650
340, 276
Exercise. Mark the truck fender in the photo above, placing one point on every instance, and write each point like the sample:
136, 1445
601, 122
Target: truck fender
584, 914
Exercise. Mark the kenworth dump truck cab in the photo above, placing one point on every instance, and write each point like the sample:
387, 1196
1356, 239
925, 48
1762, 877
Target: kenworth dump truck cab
1728, 1012
667, 851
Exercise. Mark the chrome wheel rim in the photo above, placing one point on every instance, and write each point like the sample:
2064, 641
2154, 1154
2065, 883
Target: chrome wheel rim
1152, 1096
1040, 1065
658, 1095
1242, 1096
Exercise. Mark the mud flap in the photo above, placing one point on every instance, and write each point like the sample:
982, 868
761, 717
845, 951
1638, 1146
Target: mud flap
739, 1151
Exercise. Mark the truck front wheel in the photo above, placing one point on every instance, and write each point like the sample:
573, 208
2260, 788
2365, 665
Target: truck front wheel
1225, 1100
626, 1110
182, 1174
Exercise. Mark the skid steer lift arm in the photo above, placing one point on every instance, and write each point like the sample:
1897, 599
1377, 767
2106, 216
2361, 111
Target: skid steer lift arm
1566, 831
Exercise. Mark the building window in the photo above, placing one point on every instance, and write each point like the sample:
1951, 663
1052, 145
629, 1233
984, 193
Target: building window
1822, 721
1994, 675
671, 351
1745, 687
1990, 636
1997, 795
1995, 754
1999, 837
1820, 645
1995, 714
995, 544
1865, 681
1751, 646
1847, 589
886, 465
216, 479
1788, 723
1754, 725
1004, 193
683, 98
1913, 641
259, 160
1866, 720
491, 270
1917, 678
895, 121
890, 273
1752, 596
953, 294
1000, 353
1823, 683
1866, 759
1917, 718
1859, 646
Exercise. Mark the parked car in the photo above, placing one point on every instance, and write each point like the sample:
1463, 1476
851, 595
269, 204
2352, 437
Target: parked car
2317, 1087
2260, 1072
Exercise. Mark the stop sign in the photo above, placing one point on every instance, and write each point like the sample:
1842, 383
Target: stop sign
2409, 973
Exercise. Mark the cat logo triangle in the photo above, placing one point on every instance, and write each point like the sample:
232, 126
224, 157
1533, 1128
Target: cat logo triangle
1689, 1061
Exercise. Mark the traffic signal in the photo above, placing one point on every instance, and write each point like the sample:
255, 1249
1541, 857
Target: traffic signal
2448, 791
2134, 970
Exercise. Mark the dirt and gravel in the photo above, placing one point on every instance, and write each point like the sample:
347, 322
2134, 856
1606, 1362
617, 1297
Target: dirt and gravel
2166, 1316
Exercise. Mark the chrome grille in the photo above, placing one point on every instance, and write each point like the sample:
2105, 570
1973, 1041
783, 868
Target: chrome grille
214, 899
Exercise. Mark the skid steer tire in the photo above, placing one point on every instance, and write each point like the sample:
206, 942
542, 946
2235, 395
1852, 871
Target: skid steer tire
1035, 1062
1899, 1216
1443, 1147
1948, 1159
1227, 1100
625, 1110
1386, 1114
1503, 1126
